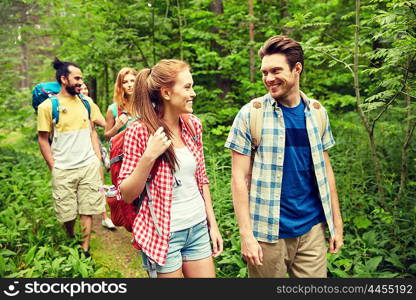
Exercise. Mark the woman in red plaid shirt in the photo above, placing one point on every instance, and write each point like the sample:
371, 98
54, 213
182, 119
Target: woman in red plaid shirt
165, 156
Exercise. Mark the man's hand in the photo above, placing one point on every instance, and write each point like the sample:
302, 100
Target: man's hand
251, 251
337, 241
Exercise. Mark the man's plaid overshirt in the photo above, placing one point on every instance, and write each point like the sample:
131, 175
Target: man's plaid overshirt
267, 174
145, 234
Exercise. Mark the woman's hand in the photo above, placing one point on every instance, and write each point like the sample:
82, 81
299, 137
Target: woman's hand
121, 121
217, 242
157, 144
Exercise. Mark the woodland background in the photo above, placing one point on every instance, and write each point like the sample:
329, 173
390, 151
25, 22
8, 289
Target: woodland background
359, 62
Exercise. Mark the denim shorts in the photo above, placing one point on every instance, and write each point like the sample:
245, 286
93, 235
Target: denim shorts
184, 245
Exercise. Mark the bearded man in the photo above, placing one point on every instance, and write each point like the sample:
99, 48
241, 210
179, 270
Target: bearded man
71, 157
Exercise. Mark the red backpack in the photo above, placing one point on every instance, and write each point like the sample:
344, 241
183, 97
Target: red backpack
122, 213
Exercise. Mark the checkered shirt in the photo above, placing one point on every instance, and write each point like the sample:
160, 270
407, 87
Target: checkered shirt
155, 246
265, 189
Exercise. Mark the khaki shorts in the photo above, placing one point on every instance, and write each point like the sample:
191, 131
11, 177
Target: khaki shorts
76, 192
304, 256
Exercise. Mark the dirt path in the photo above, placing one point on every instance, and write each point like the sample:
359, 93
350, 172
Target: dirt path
112, 248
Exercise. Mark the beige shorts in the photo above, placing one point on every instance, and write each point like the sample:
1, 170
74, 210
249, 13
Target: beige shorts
76, 192
304, 256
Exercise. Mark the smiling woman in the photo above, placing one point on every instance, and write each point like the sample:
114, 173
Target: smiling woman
179, 98
176, 221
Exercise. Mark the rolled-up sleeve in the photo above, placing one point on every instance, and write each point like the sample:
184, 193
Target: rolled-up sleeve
239, 139
202, 172
327, 137
204, 176
133, 150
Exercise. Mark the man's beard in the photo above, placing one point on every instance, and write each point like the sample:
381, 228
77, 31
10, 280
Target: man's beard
71, 90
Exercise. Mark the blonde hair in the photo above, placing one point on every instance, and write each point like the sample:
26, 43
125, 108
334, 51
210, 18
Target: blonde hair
120, 97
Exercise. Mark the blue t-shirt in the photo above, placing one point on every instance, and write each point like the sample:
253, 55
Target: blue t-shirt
300, 204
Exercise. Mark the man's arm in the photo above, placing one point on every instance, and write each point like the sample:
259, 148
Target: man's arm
250, 248
95, 140
336, 242
45, 148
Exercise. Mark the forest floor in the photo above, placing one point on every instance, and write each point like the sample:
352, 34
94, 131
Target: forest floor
113, 248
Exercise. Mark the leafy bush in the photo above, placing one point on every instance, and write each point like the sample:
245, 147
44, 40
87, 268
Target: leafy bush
32, 242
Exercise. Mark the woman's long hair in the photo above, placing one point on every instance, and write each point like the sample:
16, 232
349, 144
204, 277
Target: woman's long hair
147, 103
120, 97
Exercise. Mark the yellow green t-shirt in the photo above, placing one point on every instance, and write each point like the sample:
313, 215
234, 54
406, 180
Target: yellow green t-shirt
71, 142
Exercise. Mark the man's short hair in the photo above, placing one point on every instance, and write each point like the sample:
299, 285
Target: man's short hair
61, 68
280, 44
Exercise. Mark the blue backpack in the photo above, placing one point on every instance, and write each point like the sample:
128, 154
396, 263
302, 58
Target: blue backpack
45, 90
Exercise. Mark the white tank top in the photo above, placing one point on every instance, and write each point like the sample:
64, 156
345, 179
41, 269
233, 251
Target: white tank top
188, 206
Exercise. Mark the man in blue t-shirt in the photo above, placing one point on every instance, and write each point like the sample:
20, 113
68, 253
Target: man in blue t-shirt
300, 205
292, 197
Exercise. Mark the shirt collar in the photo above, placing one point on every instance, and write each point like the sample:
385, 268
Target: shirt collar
271, 101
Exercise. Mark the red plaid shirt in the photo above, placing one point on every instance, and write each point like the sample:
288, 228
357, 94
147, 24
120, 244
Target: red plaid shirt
155, 246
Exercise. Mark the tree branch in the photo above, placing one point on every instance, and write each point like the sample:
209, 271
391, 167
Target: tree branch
340, 61
406, 77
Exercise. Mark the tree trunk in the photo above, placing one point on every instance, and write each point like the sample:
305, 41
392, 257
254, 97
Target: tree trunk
92, 90
410, 127
217, 8
106, 88
251, 36
23, 38
178, 2
153, 32
284, 13
224, 84
364, 119
24, 63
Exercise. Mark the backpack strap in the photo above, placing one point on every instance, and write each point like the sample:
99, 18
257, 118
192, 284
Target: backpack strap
257, 112
256, 121
152, 174
151, 209
55, 109
190, 127
86, 104
256, 124
318, 112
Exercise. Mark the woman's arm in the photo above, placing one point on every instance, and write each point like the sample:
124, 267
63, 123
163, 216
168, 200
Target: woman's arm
217, 242
133, 185
113, 125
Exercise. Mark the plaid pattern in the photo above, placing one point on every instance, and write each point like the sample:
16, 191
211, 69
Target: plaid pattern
264, 199
155, 246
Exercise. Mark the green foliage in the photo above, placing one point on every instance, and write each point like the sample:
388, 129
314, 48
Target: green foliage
230, 263
104, 36
32, 242
379, 241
